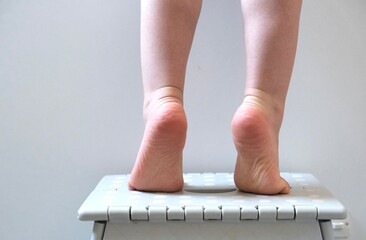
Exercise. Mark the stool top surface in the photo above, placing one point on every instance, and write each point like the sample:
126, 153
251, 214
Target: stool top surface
213, 190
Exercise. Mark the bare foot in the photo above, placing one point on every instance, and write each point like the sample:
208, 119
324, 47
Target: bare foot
255, 132
158, 166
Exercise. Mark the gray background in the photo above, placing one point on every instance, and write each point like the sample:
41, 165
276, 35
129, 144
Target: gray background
71, 98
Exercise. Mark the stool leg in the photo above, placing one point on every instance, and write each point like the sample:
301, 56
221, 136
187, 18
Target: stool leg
98, 231
326, 230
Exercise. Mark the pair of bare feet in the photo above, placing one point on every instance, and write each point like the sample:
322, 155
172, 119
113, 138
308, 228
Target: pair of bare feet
255, 129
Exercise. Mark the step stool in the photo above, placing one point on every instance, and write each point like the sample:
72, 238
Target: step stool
210, 207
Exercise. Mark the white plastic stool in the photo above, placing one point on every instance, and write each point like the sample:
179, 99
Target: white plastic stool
210, 207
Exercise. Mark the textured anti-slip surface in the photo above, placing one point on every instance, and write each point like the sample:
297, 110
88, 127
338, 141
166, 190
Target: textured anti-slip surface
210, 196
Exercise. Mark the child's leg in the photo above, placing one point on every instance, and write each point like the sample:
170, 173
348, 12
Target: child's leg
271, 29
167, 30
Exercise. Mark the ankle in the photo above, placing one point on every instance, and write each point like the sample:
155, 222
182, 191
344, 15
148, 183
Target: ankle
165, 118
168, 118
271, 107
162, 97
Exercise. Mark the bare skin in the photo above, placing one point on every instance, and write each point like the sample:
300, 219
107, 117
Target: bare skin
271, 30
167, 30
159, 161
255, 135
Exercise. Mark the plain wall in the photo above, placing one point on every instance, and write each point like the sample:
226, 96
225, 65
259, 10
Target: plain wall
71, 101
